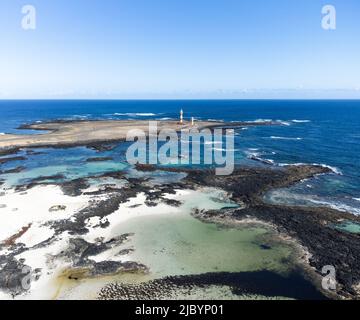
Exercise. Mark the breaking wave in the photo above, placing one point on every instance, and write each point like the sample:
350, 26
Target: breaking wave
284, 196
222, 149
133, 114
285, 138
214, 120
254, 154
283, 122
300, 121
333, 169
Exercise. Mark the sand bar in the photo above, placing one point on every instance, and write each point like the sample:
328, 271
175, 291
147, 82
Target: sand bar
67, 133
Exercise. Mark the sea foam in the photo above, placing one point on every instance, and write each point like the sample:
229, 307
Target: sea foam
135, 114
222, 149
285, 138
333, 169
300, 121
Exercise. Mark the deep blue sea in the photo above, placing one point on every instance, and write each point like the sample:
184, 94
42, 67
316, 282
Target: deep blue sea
319, 131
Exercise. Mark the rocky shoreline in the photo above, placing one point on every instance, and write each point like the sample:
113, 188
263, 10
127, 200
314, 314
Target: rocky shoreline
242, 284
310, 227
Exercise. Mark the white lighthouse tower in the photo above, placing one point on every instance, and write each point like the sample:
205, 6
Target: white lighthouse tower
181, 116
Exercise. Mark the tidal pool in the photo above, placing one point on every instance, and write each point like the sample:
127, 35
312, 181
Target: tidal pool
348, 226
176, 243
70, 172
182, 245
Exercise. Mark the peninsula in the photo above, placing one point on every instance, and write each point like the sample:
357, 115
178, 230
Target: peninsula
71, 133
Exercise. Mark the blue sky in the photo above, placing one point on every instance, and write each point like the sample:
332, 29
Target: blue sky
180, 49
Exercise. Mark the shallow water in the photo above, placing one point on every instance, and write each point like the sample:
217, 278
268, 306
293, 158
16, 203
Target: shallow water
316, 192
70, 172
181, 245
178, 244
348, 226
320, 131
312, 132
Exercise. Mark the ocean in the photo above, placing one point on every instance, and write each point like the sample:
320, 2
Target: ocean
325, 132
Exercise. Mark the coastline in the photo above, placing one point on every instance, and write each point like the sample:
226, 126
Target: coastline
310, 227
89, 223
221, 216
182, 158
70, 133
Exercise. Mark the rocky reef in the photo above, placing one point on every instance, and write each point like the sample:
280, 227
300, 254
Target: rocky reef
242, 284
311, 227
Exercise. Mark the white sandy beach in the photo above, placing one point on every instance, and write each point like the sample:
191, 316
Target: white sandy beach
31, 209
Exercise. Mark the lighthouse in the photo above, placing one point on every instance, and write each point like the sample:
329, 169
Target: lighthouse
181, 116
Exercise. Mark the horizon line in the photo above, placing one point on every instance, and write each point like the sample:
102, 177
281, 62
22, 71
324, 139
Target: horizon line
179, 99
